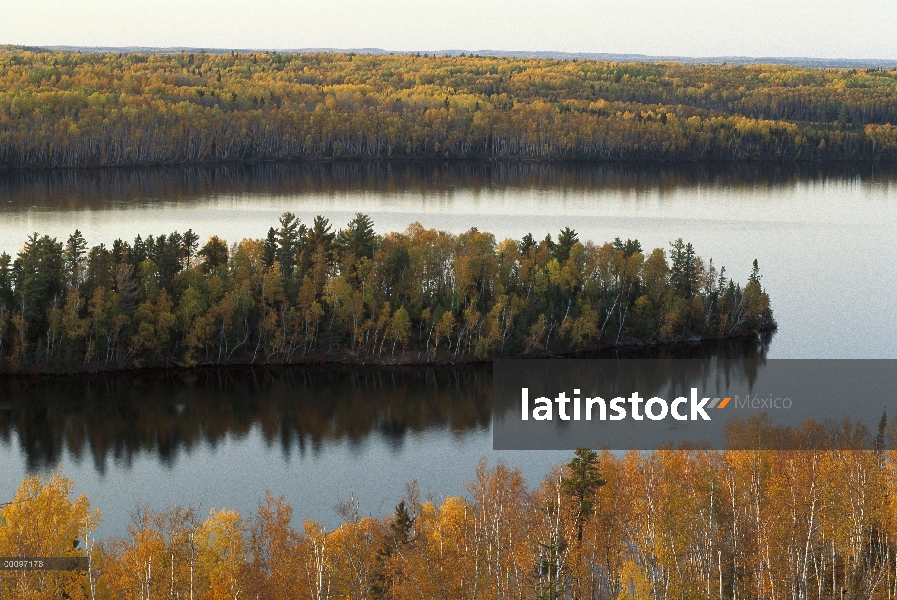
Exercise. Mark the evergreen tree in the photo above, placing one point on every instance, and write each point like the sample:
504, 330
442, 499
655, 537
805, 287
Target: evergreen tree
99, 270
581, 484
754, 277
167, 252
290, 238
269, 254
400, 534
138, 251
628, 248
321, 236
358, 238
566, 239
190, 245
39, 278
683, 271
527, 243
75, 252
121, 252
550, 584
402, 525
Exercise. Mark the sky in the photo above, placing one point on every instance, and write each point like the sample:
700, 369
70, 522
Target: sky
806, 28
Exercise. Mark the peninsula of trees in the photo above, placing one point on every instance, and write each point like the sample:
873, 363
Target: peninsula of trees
309, 293
66, 109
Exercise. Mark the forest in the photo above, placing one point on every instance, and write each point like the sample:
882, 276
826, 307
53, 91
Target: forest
309, 293
70, 109
666, 525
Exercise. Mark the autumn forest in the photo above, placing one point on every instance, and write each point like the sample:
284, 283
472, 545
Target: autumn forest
667, 525
307, 292
167, 314
68, 109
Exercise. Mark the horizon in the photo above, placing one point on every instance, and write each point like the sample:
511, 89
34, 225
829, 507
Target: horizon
730, 60
823, 30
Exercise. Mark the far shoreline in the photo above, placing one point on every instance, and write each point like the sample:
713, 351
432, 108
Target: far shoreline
583, 162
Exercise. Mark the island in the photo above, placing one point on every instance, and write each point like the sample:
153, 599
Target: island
307, 293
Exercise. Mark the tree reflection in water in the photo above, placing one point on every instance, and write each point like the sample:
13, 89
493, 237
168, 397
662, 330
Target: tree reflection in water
117, 416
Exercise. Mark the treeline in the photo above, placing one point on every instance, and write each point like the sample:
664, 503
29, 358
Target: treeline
310, 293
65, 109
807, 525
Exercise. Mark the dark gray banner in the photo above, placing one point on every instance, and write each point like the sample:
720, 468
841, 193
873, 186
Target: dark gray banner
649, 404
53, 563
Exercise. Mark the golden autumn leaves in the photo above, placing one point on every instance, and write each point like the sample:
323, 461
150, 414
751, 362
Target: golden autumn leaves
63, 109
43, 521
669, 524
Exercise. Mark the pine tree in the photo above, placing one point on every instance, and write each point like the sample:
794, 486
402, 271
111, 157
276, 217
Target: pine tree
359, 238
566, 239
628, 248
581, 484
269, 254
290, 237
190, 243
402, 525
683, 273
754, 277
39, 277
75, 252
321, 237
400, 534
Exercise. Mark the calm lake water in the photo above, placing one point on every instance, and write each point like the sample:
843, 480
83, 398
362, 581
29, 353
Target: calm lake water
825, 242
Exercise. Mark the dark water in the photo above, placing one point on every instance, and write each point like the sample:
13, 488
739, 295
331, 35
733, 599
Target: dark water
220, 437
110, 419
825, 241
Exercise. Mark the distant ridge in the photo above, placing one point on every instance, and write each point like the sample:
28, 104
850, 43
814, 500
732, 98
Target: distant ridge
808, 62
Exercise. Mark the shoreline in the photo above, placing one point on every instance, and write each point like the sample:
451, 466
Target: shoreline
6, 169
328, 360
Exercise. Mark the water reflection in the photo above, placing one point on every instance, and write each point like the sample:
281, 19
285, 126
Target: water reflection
119, 416
81, 189
116, 417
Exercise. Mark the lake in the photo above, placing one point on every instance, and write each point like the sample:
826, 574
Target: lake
824, 239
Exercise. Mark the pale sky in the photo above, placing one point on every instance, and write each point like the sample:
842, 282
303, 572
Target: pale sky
813, 28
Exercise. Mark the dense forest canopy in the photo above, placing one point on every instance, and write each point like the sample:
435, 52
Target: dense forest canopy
667, 525
66, 109
309, 292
